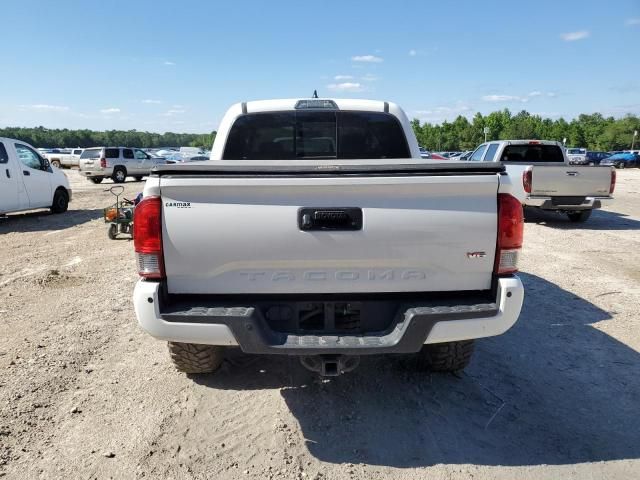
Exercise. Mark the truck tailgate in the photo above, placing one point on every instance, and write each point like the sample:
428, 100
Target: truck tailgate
571, 181
241, 235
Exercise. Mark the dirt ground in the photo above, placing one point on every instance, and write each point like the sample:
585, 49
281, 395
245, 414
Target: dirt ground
84, 393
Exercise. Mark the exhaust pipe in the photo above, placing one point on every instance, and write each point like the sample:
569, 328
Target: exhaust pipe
330, 365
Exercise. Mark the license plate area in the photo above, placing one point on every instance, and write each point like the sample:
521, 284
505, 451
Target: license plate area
339, 218
321, 318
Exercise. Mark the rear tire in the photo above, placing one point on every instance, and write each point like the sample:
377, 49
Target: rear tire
119, 175
445, 357
55, 163
138, 178
195, 358
60, 201
112, 233
96, 180
621, 165
579, 217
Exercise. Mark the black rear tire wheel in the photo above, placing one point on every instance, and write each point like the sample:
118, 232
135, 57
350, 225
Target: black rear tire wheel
445, 357
96, 180
579, 217
60, 201
119, 175
195, 358
138, 178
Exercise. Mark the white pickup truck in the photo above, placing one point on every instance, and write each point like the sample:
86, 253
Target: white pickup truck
64, 158
316, 230
543, 178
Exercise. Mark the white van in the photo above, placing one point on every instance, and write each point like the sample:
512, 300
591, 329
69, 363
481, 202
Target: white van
27, 180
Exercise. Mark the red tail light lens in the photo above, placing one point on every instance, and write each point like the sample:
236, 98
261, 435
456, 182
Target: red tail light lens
147, 238
612, 186
527, 180
103, 163
510, 234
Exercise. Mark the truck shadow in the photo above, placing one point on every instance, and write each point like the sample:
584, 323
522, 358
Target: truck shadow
553, 390
599, 220
40, 220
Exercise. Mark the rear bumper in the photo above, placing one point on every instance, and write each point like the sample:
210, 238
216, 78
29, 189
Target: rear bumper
244, 325
96, 173
557, 203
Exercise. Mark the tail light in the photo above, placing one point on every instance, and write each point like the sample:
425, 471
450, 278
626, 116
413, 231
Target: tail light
527, 179
510, 234
147, 237
103, 163
612, 186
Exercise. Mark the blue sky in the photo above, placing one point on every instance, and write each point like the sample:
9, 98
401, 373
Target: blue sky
167, 65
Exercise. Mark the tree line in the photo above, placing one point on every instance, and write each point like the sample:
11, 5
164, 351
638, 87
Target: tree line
41, 137
593, 131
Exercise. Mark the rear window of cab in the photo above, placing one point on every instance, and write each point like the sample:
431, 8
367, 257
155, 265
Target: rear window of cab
532, 153
307, 135
91, 153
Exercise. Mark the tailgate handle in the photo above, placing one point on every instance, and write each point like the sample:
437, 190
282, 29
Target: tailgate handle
573, 174
347, 218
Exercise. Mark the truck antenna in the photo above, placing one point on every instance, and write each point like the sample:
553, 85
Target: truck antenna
315, 94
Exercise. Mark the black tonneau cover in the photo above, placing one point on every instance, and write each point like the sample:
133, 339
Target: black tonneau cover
326, 168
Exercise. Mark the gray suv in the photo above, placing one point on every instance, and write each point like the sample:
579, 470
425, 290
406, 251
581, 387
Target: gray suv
116, 163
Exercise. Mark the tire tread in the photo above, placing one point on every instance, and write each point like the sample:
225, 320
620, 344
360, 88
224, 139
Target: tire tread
195, 358
446, 357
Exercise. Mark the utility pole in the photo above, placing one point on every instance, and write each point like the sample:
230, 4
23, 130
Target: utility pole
486, 132
633, 139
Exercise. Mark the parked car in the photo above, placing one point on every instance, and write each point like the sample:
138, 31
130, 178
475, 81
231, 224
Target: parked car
27, 180
577, 153
587, 158
461, 155
542, 178
183, 158
64, 158
430, 155
116, 163
342, 243
622, 160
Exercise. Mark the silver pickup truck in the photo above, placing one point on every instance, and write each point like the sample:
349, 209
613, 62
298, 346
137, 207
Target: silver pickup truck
64, 158
317, 230
543, 178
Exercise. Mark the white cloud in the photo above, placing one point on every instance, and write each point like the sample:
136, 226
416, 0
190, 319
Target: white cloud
46, 108
339, 78
108, 111
169, 63
345, 87
632, 22
573, 36
444, 112
173, 111
517, 98
367, 59
412, 53
501, 98
151, 101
